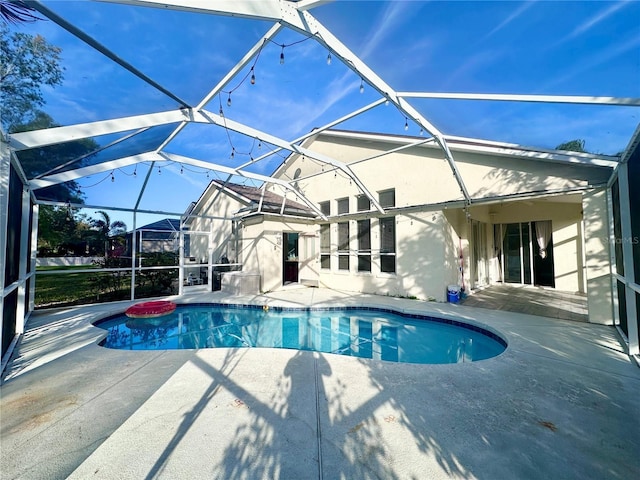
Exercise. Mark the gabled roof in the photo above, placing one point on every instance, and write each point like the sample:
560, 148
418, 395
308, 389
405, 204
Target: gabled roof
259, 200
164, 225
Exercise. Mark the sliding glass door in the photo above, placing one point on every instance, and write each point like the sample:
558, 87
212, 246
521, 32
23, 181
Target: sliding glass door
517, 253
525, 253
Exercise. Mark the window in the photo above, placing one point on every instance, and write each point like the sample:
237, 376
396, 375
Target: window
387, 198
343, 205
343, 246
325, 246
187, 244
388, 244
364, 245
364, 203
325, 208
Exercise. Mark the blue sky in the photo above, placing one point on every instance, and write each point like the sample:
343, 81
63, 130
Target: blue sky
539, 47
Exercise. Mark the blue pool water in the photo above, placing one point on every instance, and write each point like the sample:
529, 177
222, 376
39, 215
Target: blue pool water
366, 333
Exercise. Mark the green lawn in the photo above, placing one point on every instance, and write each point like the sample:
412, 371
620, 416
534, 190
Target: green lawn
81, 288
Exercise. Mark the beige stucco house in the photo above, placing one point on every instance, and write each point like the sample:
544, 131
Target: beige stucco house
535, 217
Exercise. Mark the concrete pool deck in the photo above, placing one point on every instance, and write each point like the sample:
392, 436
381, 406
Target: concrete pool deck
562, 401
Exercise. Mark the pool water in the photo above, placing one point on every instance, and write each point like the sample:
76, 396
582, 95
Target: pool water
364, 333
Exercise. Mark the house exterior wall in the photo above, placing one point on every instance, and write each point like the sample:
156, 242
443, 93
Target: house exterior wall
214, 235
421, 175
261, 248
421, 270
432, 243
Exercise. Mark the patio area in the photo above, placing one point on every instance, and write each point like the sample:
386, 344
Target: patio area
560, 402
544, 302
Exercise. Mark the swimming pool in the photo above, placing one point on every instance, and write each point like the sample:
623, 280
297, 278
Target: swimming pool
358, 332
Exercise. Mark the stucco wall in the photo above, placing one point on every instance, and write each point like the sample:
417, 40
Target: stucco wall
220, 230
261, 248
598, 267
421, 270
421, 175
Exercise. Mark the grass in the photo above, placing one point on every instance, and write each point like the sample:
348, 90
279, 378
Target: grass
69, 267
79, 287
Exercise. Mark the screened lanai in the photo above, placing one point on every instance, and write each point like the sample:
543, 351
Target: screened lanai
159, 99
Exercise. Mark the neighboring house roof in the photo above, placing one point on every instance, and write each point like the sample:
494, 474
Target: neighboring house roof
160, 230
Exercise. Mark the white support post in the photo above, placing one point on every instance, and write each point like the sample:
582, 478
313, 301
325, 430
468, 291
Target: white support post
210, 259
615, 313
181, 261
134, 249
5, 168
24, 259
34, 255
627, 254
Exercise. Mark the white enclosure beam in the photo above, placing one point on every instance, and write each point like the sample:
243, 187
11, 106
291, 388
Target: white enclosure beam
254, 9
244, 61
144, 185
124, 209
575, 158
304, 5
377, 155
70, 175
232, 73
308, 25
241, 173
587, 100
318, 130
37, 5
251, 132
50, 136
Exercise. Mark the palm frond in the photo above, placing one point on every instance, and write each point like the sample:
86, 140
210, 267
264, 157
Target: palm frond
17, 11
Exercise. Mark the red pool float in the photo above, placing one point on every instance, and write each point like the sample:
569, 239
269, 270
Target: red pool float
152, 309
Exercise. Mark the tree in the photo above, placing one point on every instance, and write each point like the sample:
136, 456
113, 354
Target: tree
26, 63
40, 161
56, 226
108, 228
572, 146
104, 230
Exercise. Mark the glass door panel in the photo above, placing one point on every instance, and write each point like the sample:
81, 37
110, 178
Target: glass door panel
512, 265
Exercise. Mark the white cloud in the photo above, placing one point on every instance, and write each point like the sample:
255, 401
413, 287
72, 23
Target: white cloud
513, 16
594, 21
596, 59
390, 19
480, 60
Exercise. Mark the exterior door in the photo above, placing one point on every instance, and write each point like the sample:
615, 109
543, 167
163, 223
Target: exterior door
516, 253
308, 265
290, 257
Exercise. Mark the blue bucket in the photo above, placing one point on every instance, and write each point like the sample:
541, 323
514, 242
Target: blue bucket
453, 294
